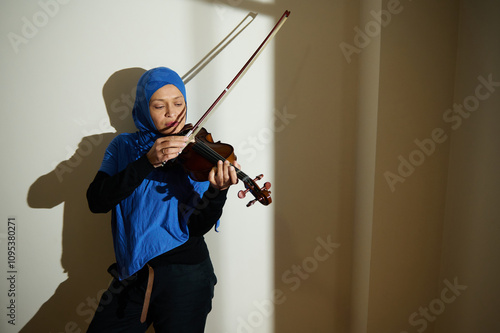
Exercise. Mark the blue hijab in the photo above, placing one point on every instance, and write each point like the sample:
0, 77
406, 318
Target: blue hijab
150, 82
153, 219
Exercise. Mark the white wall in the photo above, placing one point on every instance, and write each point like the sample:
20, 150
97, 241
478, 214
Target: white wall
68, 68
342, 250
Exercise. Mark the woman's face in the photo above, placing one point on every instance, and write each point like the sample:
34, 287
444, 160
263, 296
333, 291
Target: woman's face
168, 109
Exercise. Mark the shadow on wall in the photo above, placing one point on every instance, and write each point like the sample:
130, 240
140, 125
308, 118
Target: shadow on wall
87, 249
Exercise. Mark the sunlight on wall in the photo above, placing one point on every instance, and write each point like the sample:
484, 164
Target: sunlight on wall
242, 251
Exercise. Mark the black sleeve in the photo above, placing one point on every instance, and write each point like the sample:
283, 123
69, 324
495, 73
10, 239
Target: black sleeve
106, 191
207, 212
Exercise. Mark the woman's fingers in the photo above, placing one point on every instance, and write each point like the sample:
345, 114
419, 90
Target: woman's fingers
223, 175
166, 148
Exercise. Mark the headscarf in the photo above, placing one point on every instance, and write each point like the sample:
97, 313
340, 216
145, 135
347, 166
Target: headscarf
150, 82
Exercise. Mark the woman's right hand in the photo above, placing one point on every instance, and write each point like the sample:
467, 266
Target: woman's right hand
166, 148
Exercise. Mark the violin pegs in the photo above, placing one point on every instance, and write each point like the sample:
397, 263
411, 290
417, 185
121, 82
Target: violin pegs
242, 194
251, 202
259, 177
267, 186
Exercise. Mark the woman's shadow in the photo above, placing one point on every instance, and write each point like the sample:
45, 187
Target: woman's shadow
87, 249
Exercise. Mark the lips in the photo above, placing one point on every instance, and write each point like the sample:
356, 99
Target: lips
172, 124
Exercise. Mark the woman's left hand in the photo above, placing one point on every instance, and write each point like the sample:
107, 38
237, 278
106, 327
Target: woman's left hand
223, 175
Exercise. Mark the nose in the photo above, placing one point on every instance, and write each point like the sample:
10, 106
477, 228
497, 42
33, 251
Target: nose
174, 112
169, 112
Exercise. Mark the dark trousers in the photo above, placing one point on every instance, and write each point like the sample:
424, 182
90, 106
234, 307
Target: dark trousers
181, 299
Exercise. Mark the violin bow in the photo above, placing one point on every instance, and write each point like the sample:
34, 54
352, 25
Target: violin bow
197, 127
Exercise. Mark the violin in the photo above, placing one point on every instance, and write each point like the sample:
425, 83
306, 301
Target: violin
202, 153
200, 156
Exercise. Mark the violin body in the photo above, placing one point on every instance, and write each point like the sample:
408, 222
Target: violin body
198, 164
199, 157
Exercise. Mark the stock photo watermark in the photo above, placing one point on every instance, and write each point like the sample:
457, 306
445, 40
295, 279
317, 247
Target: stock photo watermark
87, 308
372, 29
85, 148
251, 146
263, 309
293, 279
428, 314
453, 117
11, 270
120, 107
31, 25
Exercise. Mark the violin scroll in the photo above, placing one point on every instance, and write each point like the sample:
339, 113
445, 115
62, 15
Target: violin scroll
262, 195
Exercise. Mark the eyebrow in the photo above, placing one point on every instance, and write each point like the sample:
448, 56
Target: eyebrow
163, 99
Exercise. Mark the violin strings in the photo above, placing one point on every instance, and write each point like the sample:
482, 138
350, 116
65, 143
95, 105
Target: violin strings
214, 156
202, 148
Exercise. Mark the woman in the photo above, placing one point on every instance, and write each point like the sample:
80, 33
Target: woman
163, 274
